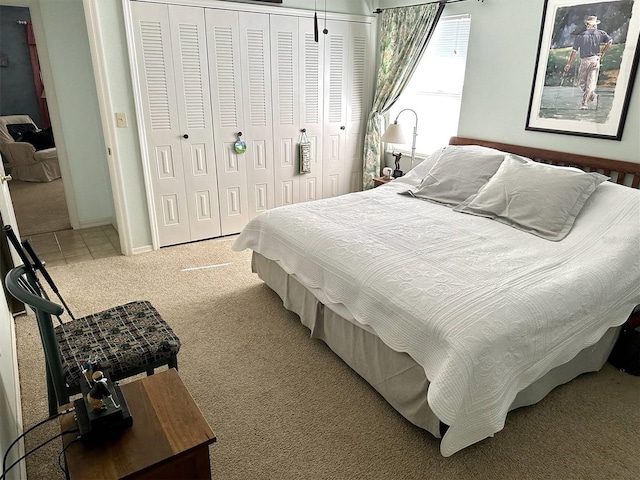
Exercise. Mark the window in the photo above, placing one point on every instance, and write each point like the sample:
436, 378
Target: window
435, 90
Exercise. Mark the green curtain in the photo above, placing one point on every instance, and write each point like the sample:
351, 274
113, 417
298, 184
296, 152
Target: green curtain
404, 35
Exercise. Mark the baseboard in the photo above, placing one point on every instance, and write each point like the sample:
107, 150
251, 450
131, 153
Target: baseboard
100, 222
145, 249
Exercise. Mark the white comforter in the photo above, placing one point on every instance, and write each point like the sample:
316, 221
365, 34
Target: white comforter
486, 309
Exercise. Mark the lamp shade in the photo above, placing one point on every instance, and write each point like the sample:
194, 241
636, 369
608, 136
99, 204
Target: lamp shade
395, 134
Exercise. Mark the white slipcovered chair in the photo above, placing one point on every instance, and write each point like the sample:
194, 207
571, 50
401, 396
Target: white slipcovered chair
25, 162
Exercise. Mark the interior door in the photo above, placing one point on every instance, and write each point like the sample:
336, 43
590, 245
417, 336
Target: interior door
359, 86
223, 37
189, 46
311, 79
239, 55
334, 180
256, 80
171, 47
6, 210
296, 72
10, 409
286, 108
347, 91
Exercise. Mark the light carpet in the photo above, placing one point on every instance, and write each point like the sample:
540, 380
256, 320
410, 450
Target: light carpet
39, 207
284, 406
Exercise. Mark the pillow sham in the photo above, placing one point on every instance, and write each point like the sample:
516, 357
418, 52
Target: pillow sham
540, 199
458, 173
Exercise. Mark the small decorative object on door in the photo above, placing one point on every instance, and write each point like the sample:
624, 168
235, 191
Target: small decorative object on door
397, 172
240, 146
386, 172
305, 153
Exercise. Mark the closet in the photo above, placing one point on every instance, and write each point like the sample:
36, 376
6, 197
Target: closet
210, 76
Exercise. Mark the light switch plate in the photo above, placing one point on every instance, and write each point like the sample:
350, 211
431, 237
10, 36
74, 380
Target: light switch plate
121, 120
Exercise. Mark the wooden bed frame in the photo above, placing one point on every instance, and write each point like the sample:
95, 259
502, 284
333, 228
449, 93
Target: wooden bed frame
623, 173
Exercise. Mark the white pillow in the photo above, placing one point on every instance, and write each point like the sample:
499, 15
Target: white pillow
458, 173
540, 199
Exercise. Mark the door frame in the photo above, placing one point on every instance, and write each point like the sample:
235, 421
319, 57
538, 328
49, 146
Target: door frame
106, 115
9, 218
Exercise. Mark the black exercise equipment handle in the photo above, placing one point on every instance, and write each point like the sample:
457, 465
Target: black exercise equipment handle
11, 235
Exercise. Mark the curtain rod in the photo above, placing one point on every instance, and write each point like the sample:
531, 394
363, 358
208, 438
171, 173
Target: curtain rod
380, 10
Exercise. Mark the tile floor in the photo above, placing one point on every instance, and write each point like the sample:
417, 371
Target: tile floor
72, 246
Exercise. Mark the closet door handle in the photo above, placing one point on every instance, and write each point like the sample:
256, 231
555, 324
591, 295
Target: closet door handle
185, 136
342, 127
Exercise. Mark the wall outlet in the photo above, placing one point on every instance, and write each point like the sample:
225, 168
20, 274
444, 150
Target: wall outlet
121, 120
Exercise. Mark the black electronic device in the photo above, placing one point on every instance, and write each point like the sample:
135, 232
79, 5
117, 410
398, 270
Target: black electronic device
98, 425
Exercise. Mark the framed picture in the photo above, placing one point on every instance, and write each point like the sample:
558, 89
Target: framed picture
585, 69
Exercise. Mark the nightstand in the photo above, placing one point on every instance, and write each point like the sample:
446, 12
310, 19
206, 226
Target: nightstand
377, 181
169, 437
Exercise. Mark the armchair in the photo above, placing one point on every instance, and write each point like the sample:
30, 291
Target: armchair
25, 162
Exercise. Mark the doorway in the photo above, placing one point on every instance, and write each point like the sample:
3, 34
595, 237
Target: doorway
40, 207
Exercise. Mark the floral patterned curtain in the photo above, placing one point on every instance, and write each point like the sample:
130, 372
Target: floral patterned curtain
404, 35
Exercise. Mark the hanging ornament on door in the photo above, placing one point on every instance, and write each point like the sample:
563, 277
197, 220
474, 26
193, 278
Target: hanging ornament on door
325, 31
240, 146
315, 22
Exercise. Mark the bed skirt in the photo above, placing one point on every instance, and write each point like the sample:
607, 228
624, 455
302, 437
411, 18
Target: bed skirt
395, 375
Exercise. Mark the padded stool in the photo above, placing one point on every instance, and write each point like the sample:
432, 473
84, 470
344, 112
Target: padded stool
124, 341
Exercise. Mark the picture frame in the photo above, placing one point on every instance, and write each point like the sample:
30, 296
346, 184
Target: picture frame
586, 96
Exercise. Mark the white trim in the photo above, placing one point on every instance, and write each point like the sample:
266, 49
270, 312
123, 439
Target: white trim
145, 249
142, 135
19, 425
107, 115
101, 222
273, 9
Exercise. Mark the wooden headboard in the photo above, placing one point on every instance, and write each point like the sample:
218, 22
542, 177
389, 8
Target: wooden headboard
623, 173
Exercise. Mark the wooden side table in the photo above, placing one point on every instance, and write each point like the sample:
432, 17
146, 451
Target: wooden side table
377, 181
169, 437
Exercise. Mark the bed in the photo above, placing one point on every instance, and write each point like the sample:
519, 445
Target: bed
453, 314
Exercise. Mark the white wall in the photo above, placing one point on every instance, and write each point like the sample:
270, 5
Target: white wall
127, 147
500, 67
68, 52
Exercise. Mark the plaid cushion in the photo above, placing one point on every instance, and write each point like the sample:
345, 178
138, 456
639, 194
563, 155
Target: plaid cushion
121, 339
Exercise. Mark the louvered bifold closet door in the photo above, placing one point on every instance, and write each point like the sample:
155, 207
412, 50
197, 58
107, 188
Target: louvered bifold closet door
311, 81
171, 52
258, 128
223, 36
359, 88
347, 99
286, 107
296, 73
239, 54
335, 178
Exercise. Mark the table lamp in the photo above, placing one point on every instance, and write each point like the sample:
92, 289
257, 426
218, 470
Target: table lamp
395, 134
